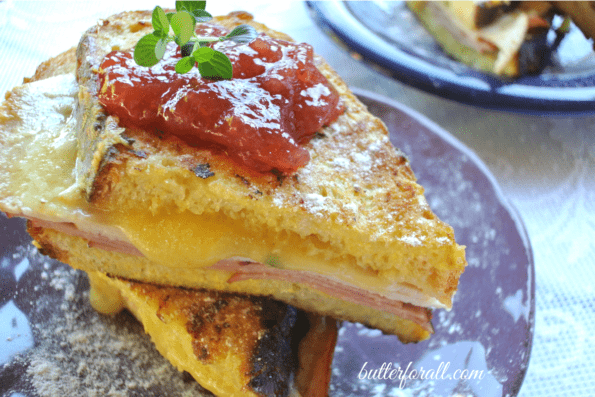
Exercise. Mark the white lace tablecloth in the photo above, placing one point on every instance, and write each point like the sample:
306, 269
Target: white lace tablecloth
545, 165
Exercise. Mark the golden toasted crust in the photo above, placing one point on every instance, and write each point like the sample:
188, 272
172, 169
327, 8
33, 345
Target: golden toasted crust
358, 192
232, 345
64, 63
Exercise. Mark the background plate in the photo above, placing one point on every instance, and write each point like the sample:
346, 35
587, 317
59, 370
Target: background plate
388, 36
53, 343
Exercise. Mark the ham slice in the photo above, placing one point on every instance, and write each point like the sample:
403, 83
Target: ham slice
243, 269
95, 240
248, 270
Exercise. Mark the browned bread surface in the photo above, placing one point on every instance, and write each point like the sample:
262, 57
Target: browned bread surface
358, 192
233, 345
64, 63
356, 205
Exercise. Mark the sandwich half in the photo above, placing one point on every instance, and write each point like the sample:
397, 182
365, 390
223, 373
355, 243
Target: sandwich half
346, 234
233, 345
500, 37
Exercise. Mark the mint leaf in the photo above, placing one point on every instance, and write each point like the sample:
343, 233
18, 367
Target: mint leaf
160, 48
190, 6
144, 51
159, 20
201, 16
182, 24
161, 34
185, 64
242, 34
219, 66
195, 50
203, 54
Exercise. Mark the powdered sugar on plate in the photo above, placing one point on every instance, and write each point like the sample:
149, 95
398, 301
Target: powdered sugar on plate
75, 350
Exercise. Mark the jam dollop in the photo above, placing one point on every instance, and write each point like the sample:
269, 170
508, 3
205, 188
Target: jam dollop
275, 102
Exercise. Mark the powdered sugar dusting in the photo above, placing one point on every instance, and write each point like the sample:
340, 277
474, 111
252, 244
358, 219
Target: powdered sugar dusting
363, 159
78, 352
443, 240
341, 162
317, 93
411, 240
316, 203
330, 179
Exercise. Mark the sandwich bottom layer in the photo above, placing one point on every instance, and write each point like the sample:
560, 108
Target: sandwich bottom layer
76, 252
233, 345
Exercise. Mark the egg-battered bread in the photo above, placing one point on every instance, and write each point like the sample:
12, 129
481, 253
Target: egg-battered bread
349, 235
233, 345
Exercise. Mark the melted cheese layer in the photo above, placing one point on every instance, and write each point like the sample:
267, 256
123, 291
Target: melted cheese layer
188, 240
39, 147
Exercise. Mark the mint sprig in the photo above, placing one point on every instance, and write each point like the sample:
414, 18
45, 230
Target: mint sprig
179, 27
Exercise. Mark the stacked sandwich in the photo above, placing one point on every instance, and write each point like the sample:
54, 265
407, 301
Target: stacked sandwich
506, 38
236, 258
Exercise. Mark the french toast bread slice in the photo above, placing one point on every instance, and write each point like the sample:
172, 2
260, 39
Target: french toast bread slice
233, 345
348, 235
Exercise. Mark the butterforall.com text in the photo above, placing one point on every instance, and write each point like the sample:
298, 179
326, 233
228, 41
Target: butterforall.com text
388, 372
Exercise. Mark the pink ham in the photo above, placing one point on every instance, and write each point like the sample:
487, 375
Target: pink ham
95, 240
242, 269
247, 270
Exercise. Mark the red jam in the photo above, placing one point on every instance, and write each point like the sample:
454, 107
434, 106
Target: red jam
275, 102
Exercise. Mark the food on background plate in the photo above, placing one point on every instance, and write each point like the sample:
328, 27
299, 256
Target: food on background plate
582, 13
507, 38
276, 183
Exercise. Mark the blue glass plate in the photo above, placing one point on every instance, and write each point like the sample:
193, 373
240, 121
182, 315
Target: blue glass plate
53, 343
387, 35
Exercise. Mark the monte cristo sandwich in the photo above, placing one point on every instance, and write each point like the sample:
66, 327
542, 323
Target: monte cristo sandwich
277, 182
232, 344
